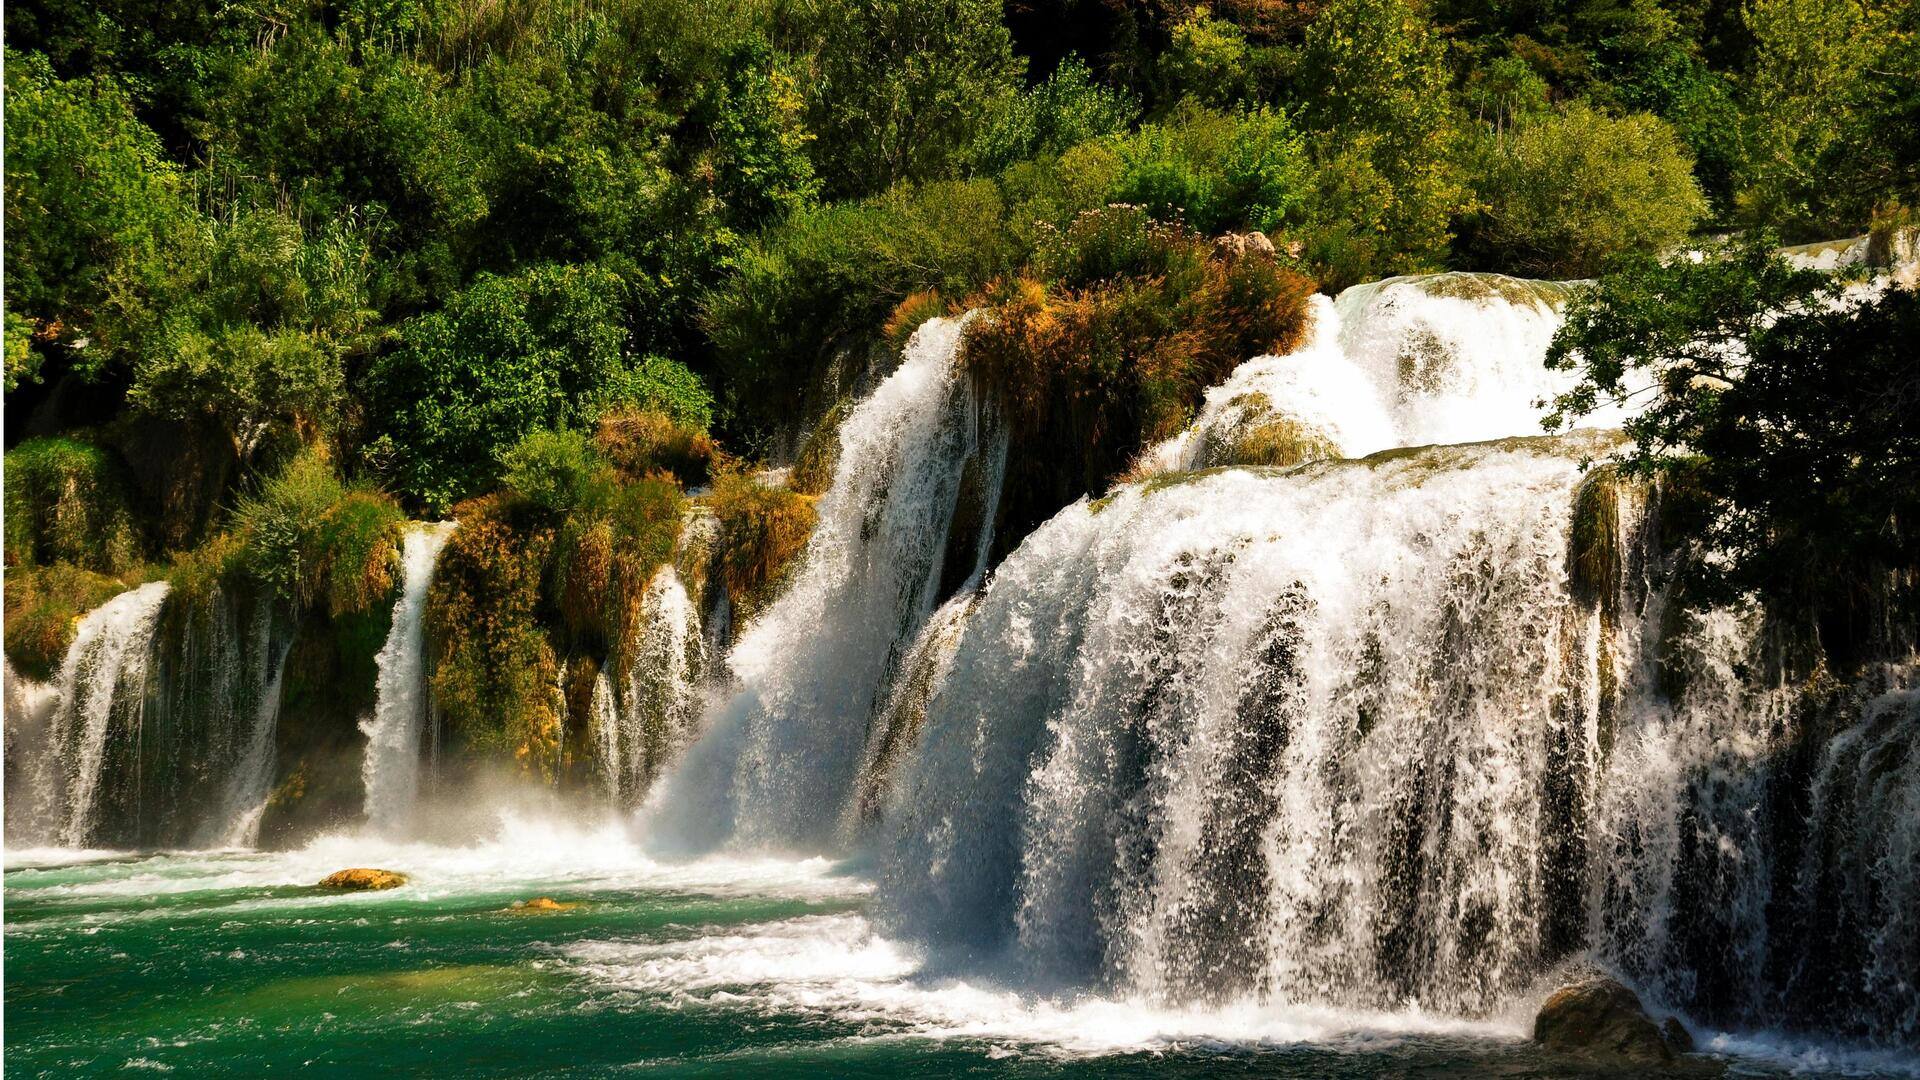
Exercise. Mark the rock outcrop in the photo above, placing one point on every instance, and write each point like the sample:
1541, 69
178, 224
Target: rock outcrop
1602, 1019
539, 905
363, 879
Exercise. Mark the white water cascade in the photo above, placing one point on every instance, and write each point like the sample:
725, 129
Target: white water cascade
102, 685
1404, 731
637, 729
777, 764
391, 768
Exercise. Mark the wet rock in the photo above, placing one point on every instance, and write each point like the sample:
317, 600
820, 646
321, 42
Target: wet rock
1601, 1019
539, 905
363, 879
1678, 1038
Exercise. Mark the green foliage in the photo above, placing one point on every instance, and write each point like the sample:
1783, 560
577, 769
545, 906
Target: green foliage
553, 470
1216, 170
91, 200
1066, 109
902, 88
66, 502
508, 356
1788, 408
1206, 60
832, 273
313, 540
1375, 91
1809, 57
1566, 190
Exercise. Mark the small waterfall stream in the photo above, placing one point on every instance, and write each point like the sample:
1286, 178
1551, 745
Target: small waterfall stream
778, 762
391, 768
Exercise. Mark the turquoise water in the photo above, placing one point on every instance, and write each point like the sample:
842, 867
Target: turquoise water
232, 964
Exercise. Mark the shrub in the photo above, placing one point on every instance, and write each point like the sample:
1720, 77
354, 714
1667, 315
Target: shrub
1115, 351
553, 470
358, 545
1064, 110
1566, 190
639, 442
509, 356
762, 529
66, 501
281, 522
819, 455
1216, 170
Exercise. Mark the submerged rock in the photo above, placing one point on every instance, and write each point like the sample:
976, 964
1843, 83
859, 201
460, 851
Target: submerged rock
539, 905
1600, 1018
363, 879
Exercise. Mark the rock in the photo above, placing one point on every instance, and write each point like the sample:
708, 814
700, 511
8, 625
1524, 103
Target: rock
363, 879
1678, 1038
537, 906
1601, 1019
1236, 245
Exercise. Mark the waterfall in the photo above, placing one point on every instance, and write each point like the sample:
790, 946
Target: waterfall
102, 687
252, 780
779, 759
391, 768
650, 720
32, 764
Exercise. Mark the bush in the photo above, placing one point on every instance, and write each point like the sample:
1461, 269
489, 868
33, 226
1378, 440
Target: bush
553, 470
66, 501
508, 357
831, 275
1566, 190
640, 442
1115, 350
1066, 109
1216, 170
311, 539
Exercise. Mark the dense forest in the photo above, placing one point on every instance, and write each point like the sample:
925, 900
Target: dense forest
282, 275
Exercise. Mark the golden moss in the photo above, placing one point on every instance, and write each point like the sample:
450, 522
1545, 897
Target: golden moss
762, 529
1114, 352
813, 466
44, 607
494, 670
640, 442
358, 549
1593, 542
911, 314
1272, 441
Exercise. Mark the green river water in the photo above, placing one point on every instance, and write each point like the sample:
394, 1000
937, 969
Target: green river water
233, 964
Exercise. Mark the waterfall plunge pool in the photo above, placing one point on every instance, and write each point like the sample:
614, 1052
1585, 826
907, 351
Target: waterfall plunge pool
232, 964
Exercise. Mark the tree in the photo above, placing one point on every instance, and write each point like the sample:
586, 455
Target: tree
1564, 191
1375, 83
543, 349
1786, 408
91, 203
900, 88
1809, 57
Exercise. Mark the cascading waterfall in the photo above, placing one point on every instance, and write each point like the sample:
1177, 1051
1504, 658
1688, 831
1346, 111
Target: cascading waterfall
391, 768
778, 762
1369, 733
102, 687
650, 720
252, 780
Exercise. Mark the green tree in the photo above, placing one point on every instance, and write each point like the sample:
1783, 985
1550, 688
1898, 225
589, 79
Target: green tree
92, 204
1064, 110
1207, 59
901, 88
1809, 56
508, 356
1564, 191
1784, 408
1376, 93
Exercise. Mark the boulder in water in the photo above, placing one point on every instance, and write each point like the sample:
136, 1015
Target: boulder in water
1600, 1018
539, 905
363, 879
